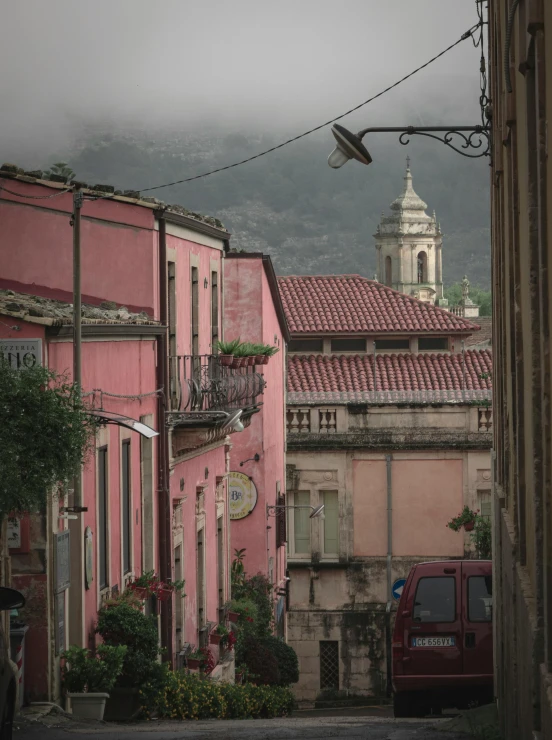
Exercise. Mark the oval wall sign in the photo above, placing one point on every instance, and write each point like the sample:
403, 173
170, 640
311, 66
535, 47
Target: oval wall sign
242, 494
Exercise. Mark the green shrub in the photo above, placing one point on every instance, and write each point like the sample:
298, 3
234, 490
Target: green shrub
84, 672
121, 623
288, 663
261, 662
186, 696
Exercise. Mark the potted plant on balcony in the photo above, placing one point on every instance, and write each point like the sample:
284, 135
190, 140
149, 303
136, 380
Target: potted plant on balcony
268, 352
258, 354
226, 351
88, 678
465, 519
194, 660
145, 585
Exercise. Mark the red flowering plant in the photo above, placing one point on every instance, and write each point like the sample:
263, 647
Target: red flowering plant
208, 662
149, 584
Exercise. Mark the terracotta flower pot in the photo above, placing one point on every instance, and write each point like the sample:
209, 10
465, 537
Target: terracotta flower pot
266, 358
236, 362
193, 663
215, 639
140, 591
165, 594
251, 360
468, 526
233, 617
226, 360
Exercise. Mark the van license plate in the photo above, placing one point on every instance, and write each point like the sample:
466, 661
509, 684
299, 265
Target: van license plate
433, 642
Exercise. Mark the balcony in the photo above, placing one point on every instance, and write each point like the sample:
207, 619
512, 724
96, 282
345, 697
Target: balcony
202, 388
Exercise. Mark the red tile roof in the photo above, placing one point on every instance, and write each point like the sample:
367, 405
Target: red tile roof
351, 377
351, 303
485, 333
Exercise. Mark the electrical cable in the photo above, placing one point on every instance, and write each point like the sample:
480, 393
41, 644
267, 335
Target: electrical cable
35, 197
468, 34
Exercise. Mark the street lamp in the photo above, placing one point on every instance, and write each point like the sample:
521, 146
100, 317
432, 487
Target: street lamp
350, 146
316, 511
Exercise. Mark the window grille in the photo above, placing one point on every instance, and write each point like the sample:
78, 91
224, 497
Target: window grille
329, 665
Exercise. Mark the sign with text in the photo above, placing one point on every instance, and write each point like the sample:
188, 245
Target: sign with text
242, 494
21, 353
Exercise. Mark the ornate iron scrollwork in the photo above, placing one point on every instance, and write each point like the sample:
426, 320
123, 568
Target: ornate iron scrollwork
478, 139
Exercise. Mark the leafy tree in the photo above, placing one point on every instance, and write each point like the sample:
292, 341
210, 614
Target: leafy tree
62, 169
45, 436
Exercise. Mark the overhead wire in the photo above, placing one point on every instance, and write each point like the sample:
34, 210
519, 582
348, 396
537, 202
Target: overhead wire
468, 34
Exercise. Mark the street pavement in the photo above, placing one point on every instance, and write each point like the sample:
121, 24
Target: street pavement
354, 726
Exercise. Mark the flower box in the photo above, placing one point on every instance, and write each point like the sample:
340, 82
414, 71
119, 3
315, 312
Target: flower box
193, 663
233, 617
215, 639
468, 526
164, 594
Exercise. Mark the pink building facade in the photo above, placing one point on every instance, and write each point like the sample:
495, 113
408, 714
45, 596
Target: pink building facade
152, 295
253, 309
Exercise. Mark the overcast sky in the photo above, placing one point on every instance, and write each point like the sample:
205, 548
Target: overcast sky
69, 64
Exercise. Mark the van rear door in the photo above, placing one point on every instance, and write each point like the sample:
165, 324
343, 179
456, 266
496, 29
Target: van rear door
432, 621
477, 591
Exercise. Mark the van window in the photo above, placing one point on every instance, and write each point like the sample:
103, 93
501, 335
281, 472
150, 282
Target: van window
435, 600
480, 599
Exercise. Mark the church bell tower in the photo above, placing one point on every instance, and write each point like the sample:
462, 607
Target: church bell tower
408, 246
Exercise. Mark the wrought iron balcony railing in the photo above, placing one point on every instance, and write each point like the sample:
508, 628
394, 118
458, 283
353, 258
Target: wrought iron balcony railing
201, 383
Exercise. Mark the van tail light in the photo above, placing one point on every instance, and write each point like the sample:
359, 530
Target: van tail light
398, 650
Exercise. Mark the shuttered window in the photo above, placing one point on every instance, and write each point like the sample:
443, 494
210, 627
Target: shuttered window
330, 499
301, 523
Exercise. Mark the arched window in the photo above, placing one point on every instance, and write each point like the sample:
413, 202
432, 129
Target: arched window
388, 272
422, 267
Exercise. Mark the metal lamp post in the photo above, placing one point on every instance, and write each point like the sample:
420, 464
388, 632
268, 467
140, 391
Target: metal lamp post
470, 141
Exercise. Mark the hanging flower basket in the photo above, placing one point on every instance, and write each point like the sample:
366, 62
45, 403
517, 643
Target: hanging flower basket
468, 526
233, 617
215, 639
141, 592
164, 594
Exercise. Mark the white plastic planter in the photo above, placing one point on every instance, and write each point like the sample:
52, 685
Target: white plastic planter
88, 706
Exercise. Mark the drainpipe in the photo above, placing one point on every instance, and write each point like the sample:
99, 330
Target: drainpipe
388, 459
164, 502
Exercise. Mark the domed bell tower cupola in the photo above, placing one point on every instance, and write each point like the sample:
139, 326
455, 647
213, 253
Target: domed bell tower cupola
408, 246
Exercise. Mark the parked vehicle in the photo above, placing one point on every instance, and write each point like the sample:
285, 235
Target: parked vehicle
9, 599
443, 640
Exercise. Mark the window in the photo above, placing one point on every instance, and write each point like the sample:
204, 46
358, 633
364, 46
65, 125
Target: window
214, 312
330, 499
388, 272
127, 505
178, 603
195, 311
102, 517
220, 562
485, 504
306, 345
422, 267
435, 600
433, 343
301, 523
329, 665
200, 580
382, 344
349, 345
480, 599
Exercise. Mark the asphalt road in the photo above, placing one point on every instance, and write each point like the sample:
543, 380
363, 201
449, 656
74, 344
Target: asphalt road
294, 728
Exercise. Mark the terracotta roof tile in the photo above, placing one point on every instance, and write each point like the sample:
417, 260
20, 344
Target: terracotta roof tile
485, 333
351, 303
346, 377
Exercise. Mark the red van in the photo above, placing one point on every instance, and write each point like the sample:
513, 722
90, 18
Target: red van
443, 638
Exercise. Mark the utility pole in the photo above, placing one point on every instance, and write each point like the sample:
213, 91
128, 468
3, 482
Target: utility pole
78, 200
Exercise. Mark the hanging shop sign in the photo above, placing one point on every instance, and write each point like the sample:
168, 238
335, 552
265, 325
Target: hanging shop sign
21, 353
242, 493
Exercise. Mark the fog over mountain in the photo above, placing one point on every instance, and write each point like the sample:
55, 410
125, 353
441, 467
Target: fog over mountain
141, 96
